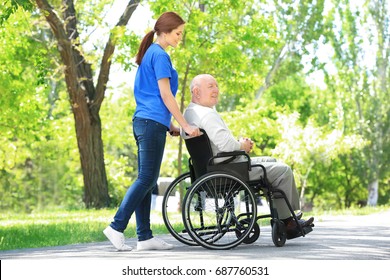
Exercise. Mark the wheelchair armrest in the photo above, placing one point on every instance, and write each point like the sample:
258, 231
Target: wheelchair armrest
233, 155
229, 154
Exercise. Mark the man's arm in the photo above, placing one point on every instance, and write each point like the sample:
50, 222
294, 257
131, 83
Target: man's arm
221, 136
218, 133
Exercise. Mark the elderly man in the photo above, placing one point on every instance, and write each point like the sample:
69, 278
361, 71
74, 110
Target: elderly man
201, 113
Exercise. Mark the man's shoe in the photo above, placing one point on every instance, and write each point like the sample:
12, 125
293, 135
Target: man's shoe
304, 223
293, 231
117, 239
153, 244
299, 215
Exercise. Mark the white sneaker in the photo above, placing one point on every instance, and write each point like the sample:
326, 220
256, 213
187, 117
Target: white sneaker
117, 239
153, 244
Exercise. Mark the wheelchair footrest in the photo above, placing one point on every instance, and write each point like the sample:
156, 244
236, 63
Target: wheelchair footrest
297, 233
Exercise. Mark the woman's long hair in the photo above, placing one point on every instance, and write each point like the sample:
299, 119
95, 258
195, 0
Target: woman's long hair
165, 23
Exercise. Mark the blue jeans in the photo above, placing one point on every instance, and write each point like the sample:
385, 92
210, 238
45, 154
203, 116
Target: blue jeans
150, 137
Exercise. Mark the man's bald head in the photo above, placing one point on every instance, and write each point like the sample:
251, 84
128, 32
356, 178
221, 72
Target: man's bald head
204, 90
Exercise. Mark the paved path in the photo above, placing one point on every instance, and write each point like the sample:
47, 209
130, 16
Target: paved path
333, 238
353, 247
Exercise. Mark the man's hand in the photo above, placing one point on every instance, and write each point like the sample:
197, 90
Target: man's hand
246, 144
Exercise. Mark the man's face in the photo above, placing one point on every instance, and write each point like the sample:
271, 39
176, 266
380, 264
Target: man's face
207, 93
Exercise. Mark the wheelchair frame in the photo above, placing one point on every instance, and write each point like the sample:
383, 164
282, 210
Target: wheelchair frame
219, 202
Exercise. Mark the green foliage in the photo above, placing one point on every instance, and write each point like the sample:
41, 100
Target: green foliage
127, 49
39, 161
223, 40
256, 121
293, 94
315, 153
335, 137
9, 7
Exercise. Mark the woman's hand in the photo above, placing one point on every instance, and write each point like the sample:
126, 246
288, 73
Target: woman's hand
174, 130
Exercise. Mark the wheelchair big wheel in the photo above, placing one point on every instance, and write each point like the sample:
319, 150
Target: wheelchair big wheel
172, 208
219, 211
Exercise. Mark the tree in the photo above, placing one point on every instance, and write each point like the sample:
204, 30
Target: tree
85, 98
362, 87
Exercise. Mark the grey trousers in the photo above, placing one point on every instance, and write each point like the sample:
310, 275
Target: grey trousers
281, 177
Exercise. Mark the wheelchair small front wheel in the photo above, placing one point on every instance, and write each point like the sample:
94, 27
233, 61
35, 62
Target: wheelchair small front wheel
279, 235
253, 235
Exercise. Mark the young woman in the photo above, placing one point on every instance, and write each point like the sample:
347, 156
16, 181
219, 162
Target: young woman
155, 87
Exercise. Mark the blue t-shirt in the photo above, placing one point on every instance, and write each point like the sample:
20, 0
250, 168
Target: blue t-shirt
156, 64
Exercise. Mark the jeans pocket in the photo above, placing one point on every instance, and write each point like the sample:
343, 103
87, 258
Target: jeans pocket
139, 126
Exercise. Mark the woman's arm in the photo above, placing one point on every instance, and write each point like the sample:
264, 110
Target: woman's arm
170, 102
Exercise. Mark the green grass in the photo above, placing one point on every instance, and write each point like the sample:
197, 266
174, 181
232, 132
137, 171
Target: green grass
56, 228
358, 211
18, 231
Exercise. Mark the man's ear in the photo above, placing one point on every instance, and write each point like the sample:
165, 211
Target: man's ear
196, 92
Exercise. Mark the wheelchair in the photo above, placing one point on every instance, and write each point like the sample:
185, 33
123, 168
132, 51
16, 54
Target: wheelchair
214, 205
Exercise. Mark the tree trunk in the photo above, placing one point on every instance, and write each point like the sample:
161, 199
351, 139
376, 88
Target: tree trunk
84, 98
90, 144
275, 67
182, 104
372, 193
303, 181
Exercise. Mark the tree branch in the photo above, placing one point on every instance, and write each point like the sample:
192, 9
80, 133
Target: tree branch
107, 55
64, 46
